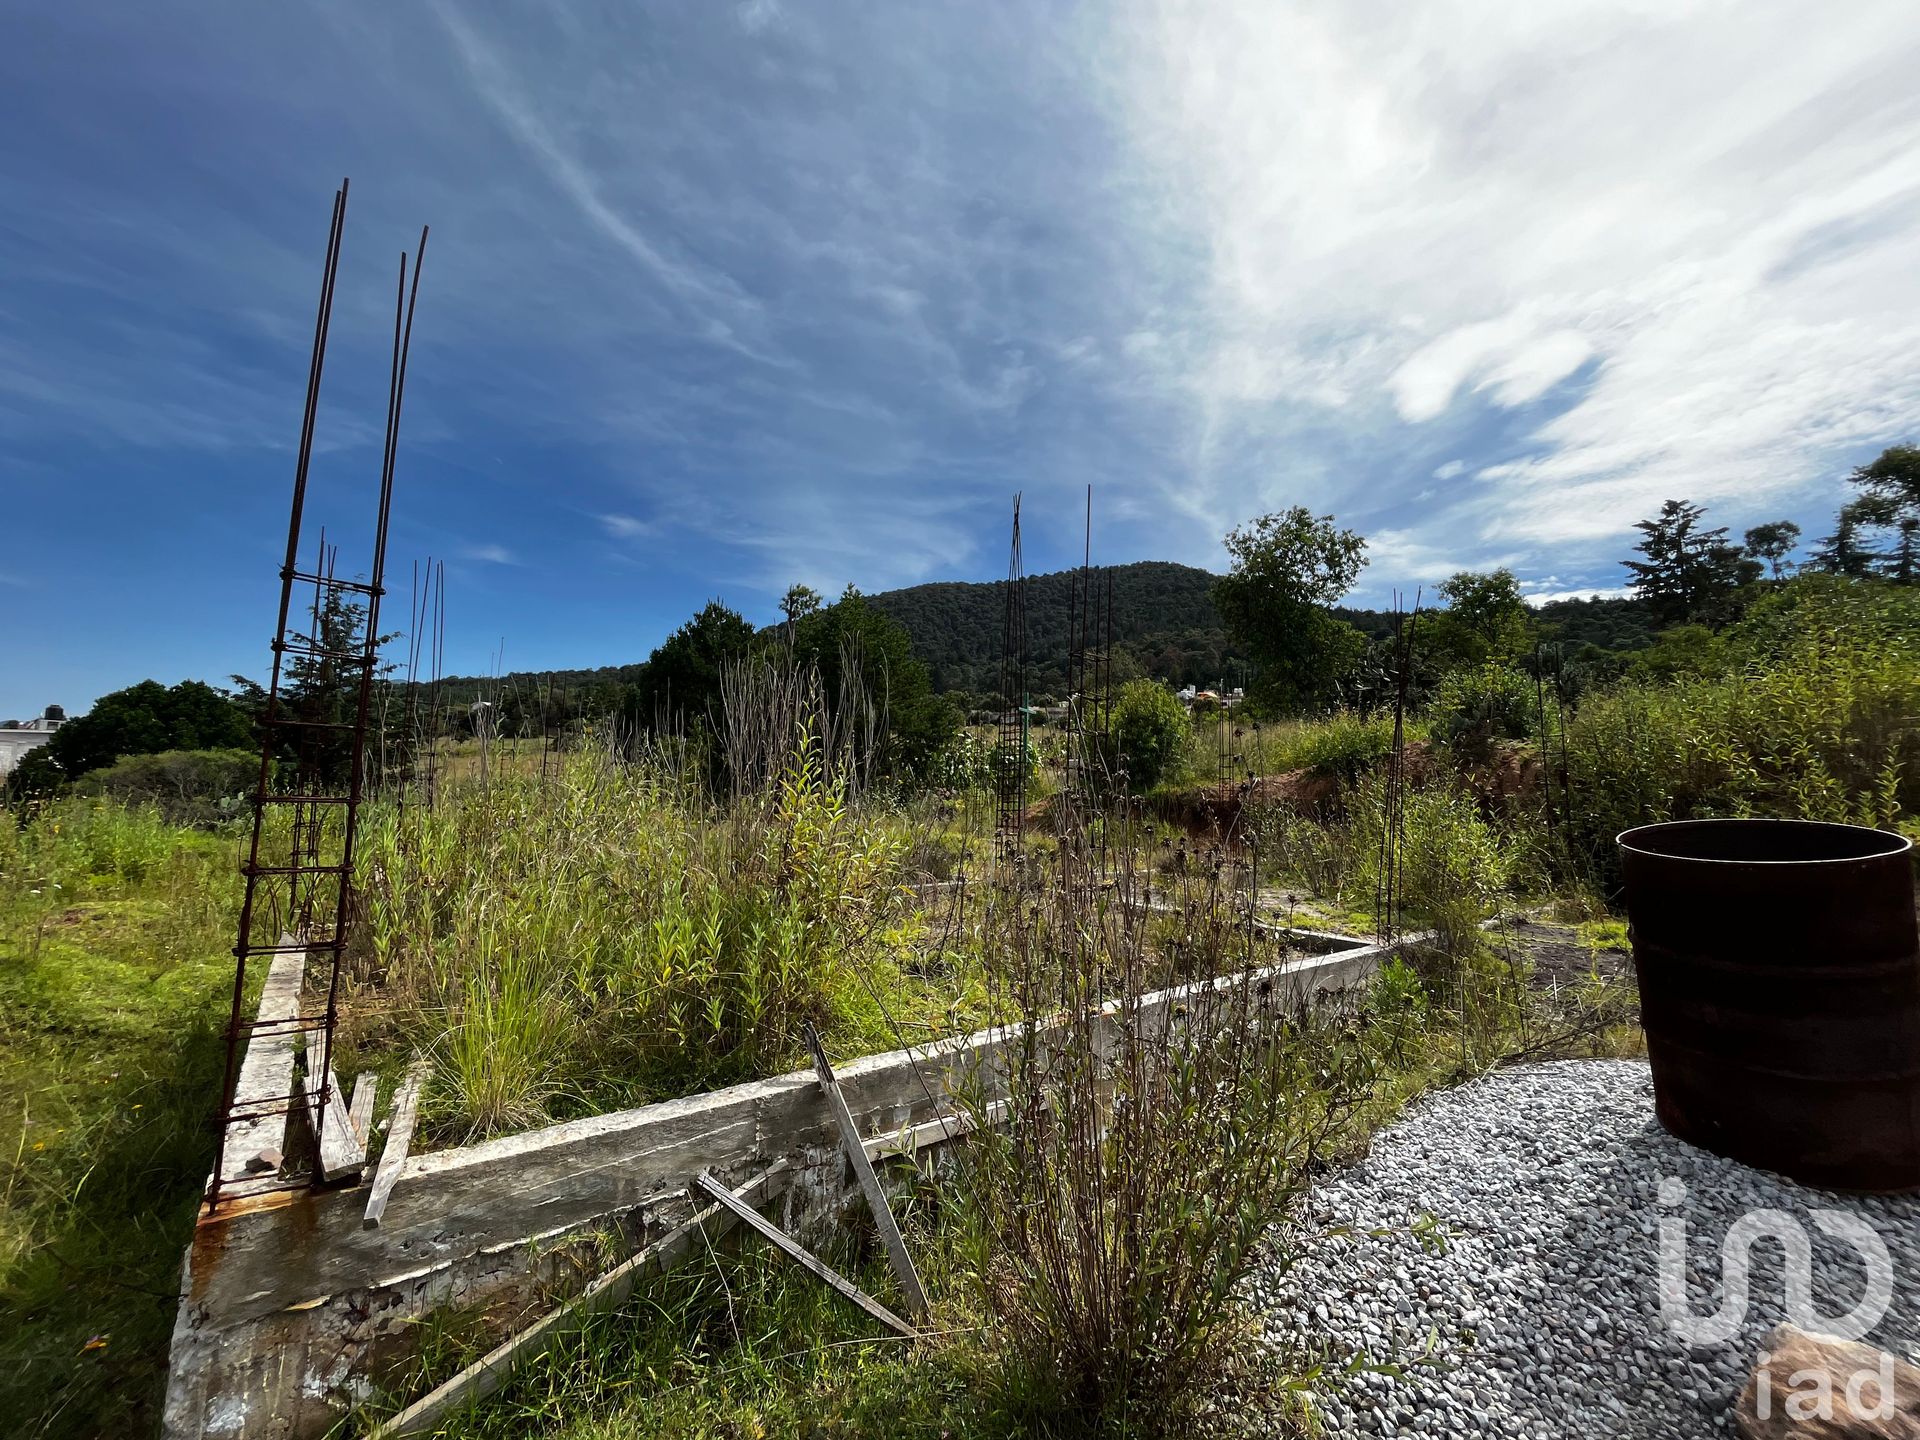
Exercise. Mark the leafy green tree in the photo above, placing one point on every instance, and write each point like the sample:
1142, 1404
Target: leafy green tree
679, 686
146, 719
1147, 730
1486, 620
1288, 569
1689, 573
854, 631
1773, 542
799, 602
37, 777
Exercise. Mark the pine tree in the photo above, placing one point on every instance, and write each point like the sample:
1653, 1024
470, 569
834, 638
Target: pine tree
1841, 553
1689, 574
1891, 502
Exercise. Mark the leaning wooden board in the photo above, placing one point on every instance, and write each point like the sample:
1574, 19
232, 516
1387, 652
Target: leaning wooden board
266, 1071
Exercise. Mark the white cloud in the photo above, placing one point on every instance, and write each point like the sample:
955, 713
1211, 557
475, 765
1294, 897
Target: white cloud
488, 554
757, 15
626, 527
1547, 597
1404, 556
1706, 211
1449, 470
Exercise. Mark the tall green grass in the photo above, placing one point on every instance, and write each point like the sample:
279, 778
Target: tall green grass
115, 963
1816, 717
608, 935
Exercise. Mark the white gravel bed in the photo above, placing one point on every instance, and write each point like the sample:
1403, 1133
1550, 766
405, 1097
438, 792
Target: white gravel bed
1538, 1313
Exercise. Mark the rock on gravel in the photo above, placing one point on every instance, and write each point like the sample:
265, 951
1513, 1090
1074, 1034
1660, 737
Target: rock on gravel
1501, 1245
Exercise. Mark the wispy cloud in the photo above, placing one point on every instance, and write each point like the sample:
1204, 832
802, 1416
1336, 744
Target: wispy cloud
626, 527
721, 297
722, 307
489, 554
1671, 244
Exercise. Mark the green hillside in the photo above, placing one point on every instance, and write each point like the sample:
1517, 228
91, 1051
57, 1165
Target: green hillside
1164, 626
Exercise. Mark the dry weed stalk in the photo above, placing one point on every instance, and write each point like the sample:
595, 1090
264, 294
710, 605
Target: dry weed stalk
1152, 1139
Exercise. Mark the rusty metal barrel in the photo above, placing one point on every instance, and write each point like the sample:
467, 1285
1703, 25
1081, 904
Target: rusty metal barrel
1779, 971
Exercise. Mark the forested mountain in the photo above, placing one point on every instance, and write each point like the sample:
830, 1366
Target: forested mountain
1616, 623
1164, 626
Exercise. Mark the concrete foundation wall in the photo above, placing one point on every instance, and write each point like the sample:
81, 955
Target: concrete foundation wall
289, 1304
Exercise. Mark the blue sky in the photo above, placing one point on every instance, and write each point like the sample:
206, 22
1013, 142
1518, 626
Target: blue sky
720, 297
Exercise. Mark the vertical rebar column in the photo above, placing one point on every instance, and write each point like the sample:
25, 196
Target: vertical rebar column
316, 711
1393, 795
1010, 754
237, 1027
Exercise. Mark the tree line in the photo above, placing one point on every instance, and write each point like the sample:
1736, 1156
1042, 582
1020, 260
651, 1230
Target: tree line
1273, 621
1687, 579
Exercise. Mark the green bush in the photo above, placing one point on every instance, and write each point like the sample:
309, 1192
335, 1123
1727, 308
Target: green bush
1148, 730
1475, 708
1817, 718
189, 787
1454, 865
1346, 745
1681, 653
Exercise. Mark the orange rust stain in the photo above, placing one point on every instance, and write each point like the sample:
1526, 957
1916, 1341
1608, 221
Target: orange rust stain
210, 1231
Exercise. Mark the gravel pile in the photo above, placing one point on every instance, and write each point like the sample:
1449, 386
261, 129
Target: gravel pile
1528, 1305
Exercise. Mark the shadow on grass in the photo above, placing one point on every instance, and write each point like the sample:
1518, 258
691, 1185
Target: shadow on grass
87, 1308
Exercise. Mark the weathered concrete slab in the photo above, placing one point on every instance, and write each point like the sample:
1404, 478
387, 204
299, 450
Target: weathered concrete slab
288, 1301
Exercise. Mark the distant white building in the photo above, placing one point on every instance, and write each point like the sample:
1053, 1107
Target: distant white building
17, 740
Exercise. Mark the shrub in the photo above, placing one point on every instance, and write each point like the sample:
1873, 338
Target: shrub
1346, 745
1818, 718
971, 761
1146, 1152
1474, 708
1147, 730
1454, 867
189, 787
1683, 652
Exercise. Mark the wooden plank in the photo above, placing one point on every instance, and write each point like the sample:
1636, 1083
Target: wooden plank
800, 1255
607, 1292
343, 1154
869, 1182
266, 1071
393, 1155
360, 1110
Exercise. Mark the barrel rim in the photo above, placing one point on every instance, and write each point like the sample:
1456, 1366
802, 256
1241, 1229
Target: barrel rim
1894, 844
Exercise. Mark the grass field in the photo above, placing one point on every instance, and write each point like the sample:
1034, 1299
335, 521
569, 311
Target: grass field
114, 979
601, 935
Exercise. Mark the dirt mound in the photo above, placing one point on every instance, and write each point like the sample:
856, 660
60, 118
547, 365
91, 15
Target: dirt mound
1213, 812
